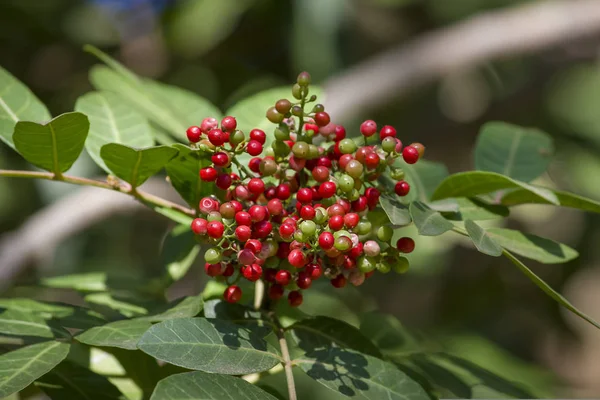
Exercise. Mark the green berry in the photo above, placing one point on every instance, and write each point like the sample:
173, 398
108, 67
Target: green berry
340, 233
397, 174
313, 152
320, 215
300, 150
347, 146
303, 79
236, 138
354, 195
401, 265
388, 144
365, 264
343, 243
354, 168
297, 111
214, 216
363, 228
212, 256
385, 233
297, 93
299, 236
384, 268
280, 148
345, 183
318, 108
282, 132
308, 228
274, 116
272, 262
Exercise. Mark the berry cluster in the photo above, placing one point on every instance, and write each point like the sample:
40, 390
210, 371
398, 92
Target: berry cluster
300, 211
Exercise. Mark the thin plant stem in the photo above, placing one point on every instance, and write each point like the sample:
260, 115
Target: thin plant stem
259, 293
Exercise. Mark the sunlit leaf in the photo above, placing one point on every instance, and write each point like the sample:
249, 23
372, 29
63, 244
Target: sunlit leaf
428, 221
482, 240
184, 170
565, 199
179, 251
123, 334
397, 212
531, 246
20, 323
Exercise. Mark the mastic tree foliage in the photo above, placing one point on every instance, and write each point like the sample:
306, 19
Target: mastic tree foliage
280, 200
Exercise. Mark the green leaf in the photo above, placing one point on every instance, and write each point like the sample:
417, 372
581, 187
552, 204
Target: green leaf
388, 334
183, 171
469, 184
128, 307
428, 221
548, 290
19, 323
324, 331
424, 177
209, 345
396, 211
17, 103
476, 210
513, 151
202, 386
565, 199
355, 374
21, 367
112, 120
123, 334
53, 146
482, 240
89, 281
238, 314
72, 381
174, 215
119, 68
442, 377
179, 251
531, 246
136, 166
186, 307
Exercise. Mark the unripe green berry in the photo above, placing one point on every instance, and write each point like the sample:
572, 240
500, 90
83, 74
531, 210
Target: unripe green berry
401, 265
347, 146
354, 195
397, 174
341, 233
365, 264
343, 243
345, 183
385, 233
274, 116
299, 236
384, 268
214, 216
280, 148
354, 168
297, 111
236, 138
320, 215
300, 150
267, 166
303, 79
212, 256
282, 132
388, 144
318, 108
313, 152
296, 92
363, 228
308, 228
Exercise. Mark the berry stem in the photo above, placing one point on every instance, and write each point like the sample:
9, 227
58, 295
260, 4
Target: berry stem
145, 198
259, 293
285, 354
242, 168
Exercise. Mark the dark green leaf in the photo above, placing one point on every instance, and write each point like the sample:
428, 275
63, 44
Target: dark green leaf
469, 184
20, 323
209, 345
548, 290
71, 381
19, 368
476, 210
136, 166
123, 334
354, 374
537, 248
565, 199
186, 307
112, 120
238, 314
324, 331
513, 151
54, 146
183, 171
428, 221
424, 177
17, 103
202, 386
482, 240
396, 211
388, 334
179, 252
442, 377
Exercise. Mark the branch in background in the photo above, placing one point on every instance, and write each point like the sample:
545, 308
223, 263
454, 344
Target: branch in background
489, 36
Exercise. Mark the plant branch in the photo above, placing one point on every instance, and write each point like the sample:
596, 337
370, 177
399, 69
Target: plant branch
143, 197
285, 354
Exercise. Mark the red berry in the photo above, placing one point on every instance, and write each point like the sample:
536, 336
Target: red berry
257, 213
243, 218
207, 205
208, 124
307, 212
220, 159
275, 207
351, 220
304, 195
297, 258
286, 231
215, 229
243, 233
321, 174
327, 189
216, 137
223, 181
237, 206
232, 294
208, 174
402, 188
368, 128
276, 292
229, 270
410, 154
314, 271
339, 281
254, 148
269, 274
303, 280
199, 226
228, 124
295, 298
387, 131
335, 209
254, 164
193, 134
262, 229
283, 277
340, 133
311, 127
356, 251
322, 118
344, 160
405, 245
283, 191
258, 135
256, 185
336, 222
212, 269
326, 240
252, 272
253, 245
372, 160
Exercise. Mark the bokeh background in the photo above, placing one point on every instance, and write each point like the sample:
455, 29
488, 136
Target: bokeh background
479, 307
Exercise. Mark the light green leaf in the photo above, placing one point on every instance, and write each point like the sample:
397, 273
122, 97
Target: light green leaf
513, 151
19, 323
355, 374
482, 240
184, 170
136, 166
122, 305
54, 146
476, 210
19, 368
112, 63
423, 178
565, 199
123, 334
428, 221
396, 211
17, 103
179, 251
548, 290
112, 120
324, 332
469, 184
531, 246
90, 281
202, 386
186, 307
72, 381
209, 345
174, 215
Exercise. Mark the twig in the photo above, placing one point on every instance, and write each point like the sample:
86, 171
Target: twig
259, 293
486, 37
285, 354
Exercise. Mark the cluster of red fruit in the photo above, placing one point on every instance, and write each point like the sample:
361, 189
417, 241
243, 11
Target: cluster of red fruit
301, 210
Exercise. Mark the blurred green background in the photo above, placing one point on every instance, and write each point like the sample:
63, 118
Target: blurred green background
479, 307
